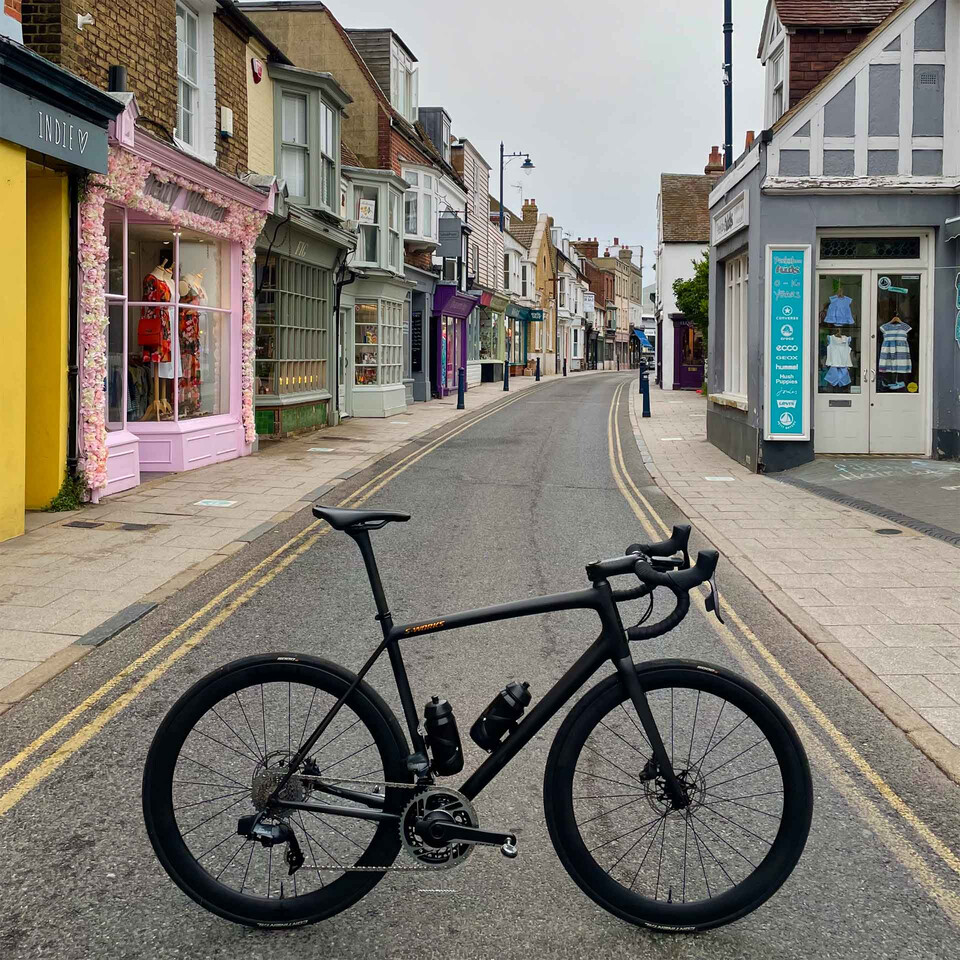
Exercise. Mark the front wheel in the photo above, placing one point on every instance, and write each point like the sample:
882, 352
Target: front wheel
623, 841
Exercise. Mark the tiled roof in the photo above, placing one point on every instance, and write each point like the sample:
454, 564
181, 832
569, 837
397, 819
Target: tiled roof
522, 231
347, 157
684, 206
835, 13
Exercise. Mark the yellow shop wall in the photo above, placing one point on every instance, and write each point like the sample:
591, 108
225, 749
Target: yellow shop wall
13, 277
48, 237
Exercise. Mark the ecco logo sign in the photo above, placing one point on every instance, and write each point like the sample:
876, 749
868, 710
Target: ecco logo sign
787, 348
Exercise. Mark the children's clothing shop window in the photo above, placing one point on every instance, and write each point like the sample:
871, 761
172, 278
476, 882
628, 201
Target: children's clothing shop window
293, 322
378, 359
735, 328
839, 344
161, 280
188, 75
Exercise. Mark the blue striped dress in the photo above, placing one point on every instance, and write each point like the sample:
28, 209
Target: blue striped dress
895, 351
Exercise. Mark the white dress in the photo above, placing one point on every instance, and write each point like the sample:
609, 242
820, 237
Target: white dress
838, 352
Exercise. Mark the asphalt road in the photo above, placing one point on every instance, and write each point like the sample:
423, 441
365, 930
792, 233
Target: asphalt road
510, 507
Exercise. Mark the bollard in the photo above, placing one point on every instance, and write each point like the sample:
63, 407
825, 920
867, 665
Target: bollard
645, 390
538, 369
506, 376
564, 366
461, 386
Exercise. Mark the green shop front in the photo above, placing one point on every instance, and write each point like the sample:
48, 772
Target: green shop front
296, 357
517, 322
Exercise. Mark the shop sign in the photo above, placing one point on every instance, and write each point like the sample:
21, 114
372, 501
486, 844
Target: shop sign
787, 340
730, 218
416, 341
589, 302
450, 232
534, 316
55, 133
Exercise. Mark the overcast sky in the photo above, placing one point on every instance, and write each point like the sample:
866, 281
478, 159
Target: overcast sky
603, 101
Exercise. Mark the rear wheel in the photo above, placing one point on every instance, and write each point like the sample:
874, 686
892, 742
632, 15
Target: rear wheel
216, 757
621, 838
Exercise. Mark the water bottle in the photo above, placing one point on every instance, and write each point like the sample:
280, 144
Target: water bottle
443, 738
501, 715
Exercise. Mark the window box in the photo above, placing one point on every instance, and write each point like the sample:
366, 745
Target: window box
421, 205
307, 111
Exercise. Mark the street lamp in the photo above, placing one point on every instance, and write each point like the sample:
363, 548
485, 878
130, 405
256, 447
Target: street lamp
527, 167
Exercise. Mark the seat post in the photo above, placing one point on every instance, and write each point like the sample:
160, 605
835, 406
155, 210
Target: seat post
362, 538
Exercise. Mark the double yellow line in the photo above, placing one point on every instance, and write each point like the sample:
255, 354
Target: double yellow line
758, 656
194, 630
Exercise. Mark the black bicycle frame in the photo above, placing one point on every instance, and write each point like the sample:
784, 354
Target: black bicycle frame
611, 645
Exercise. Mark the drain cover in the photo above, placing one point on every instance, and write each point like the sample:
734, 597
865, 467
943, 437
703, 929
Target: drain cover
888, 531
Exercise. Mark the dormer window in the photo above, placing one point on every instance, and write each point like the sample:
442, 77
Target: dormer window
776, 78
404, 83
445, 136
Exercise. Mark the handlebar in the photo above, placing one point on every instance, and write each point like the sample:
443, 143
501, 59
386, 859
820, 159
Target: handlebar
677, 543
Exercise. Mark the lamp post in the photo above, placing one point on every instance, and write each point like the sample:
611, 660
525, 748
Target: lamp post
526, 167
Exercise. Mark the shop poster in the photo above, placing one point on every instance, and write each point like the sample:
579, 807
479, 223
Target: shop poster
788, 343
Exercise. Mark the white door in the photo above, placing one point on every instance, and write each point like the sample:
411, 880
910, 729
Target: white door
842, 405
897, 338
345, 363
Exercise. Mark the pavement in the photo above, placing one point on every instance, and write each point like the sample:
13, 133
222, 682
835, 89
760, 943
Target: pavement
512, 507
879, 599
75, 579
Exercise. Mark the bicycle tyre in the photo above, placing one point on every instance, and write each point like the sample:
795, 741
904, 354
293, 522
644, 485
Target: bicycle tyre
161, 765
706, 680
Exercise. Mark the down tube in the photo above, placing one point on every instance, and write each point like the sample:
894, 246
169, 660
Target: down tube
541, 714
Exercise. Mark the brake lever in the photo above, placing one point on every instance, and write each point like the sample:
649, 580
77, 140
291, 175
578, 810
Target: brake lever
712, 603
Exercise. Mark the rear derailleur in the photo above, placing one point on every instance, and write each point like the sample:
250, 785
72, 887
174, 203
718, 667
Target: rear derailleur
269, 835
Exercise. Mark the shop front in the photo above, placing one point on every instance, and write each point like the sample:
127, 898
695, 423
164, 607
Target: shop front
53, 131
451, 310
417, 375
296, 337
488, 353
517, 346
166, 313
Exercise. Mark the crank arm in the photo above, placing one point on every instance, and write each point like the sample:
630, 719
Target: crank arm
444, 832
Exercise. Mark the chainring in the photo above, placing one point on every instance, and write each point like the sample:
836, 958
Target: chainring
437, 800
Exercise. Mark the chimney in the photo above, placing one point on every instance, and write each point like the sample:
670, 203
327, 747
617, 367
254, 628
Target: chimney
749, 142
626, 254
616, 241
588, 248
530, 212
715, 162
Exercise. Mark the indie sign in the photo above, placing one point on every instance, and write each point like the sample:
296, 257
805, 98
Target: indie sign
787, 401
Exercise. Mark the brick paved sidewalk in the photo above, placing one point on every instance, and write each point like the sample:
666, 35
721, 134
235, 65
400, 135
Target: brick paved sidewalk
64, 587
884, 609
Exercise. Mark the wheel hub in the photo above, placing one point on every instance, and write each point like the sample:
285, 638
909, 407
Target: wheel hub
269, 774
658, 795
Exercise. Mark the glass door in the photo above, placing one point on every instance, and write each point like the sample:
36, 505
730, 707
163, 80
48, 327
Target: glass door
842, 404
345, 363
897, 407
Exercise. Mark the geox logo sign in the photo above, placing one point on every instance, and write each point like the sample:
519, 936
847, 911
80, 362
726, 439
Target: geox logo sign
425, 626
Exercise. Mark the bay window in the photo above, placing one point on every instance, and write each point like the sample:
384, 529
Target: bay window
307, 109
377, 206
735, 327
378, 342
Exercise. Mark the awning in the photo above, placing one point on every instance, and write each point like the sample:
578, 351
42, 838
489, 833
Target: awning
448, 301
524, 313
642, 337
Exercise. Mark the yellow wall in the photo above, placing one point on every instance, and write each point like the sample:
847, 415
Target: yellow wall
13, 272
259, 114
48, 239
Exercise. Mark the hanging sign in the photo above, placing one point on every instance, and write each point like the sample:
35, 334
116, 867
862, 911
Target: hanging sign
787, 343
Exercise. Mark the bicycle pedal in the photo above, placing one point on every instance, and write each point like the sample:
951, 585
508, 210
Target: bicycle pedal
510, 850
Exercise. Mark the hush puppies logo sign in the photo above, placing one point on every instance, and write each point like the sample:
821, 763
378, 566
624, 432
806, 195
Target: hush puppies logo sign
786, 410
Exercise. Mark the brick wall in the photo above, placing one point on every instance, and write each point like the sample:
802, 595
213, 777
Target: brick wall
814, 53
12, 8
422, 259
393, 149
41, 27
230, 64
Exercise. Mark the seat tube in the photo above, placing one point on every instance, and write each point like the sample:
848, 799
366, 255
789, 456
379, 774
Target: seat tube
362, 538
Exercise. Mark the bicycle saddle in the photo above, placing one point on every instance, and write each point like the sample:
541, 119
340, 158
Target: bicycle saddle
342, 518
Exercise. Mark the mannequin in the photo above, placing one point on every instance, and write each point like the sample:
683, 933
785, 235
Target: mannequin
153, 334
191, 292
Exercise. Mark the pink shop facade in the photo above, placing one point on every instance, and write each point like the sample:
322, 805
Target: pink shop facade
166, 313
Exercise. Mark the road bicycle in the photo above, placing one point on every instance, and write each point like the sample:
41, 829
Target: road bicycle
281, 788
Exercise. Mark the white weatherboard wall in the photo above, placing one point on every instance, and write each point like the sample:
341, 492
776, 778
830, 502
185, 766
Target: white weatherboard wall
674, 263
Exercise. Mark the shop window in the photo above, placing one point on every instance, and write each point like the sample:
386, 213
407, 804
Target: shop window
168, 281
490, 327
293, 323
516, 342
378, 342
735, 328
473, 336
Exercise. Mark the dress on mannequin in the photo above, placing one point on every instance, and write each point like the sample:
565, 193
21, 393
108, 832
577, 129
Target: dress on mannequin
191, 292
156, 289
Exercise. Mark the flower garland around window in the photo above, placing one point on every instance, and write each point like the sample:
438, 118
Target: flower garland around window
123, 184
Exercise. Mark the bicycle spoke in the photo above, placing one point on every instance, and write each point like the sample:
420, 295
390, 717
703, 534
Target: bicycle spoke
739, 826
586, 773
214, 816
693, 729
246, 745
663, 820
334, 739
716, 859
774, 816
627, 742
686, 832
640, 729
263, 711
737, 757
622, 835
219, 843
663, 837
226, 746
612, 764
724, 737
348, 756
243, 883
607, 796
703, 823
696, 841
205, 766
640, 839
306, 833
322, 847
249, 726
336, 830
197, 803
306, 719
742, 775
234, 857
607, 813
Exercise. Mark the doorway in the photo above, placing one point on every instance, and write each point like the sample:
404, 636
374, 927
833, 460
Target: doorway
872, 378
345, 360
687, 356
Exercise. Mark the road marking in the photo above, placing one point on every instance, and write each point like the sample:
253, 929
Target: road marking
363, 493
899, 845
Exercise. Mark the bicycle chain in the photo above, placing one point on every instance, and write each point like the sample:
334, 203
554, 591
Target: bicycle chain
411, 868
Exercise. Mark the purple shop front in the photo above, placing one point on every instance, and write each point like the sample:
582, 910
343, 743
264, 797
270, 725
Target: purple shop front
451, 308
